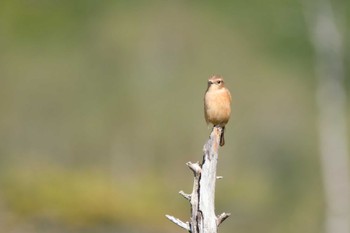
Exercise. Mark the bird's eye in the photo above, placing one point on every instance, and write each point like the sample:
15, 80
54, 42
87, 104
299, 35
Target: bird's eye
218, 82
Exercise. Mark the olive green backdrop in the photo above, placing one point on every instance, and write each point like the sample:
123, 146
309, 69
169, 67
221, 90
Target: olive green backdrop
101, 106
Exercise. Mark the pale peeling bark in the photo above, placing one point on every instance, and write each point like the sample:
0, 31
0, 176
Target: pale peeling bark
202, 198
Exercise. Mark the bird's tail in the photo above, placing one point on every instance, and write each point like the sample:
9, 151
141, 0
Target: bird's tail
222, 139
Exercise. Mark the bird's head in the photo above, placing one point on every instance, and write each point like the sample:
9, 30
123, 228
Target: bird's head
216, 82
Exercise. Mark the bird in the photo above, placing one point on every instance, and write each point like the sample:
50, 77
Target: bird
217, 104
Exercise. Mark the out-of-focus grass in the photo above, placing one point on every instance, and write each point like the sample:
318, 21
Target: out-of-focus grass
79, 198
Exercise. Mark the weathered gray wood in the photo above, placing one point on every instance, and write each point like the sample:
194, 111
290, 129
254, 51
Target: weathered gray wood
178, 222
222, 218
207, 183
202, 199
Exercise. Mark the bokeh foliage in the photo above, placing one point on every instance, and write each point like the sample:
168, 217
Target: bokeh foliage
101, 106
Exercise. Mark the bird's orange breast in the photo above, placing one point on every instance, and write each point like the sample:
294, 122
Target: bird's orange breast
217, 106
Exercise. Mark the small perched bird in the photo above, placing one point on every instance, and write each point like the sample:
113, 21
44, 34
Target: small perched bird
217, 104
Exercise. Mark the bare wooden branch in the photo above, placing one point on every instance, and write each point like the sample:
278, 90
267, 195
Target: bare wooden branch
195, 167
185, 195
179, 222
203, 218
207, 182
222, 217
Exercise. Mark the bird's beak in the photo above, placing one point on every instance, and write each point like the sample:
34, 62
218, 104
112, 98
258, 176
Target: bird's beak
210, 82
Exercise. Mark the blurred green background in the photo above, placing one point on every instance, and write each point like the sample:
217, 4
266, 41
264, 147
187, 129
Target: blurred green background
102, 105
